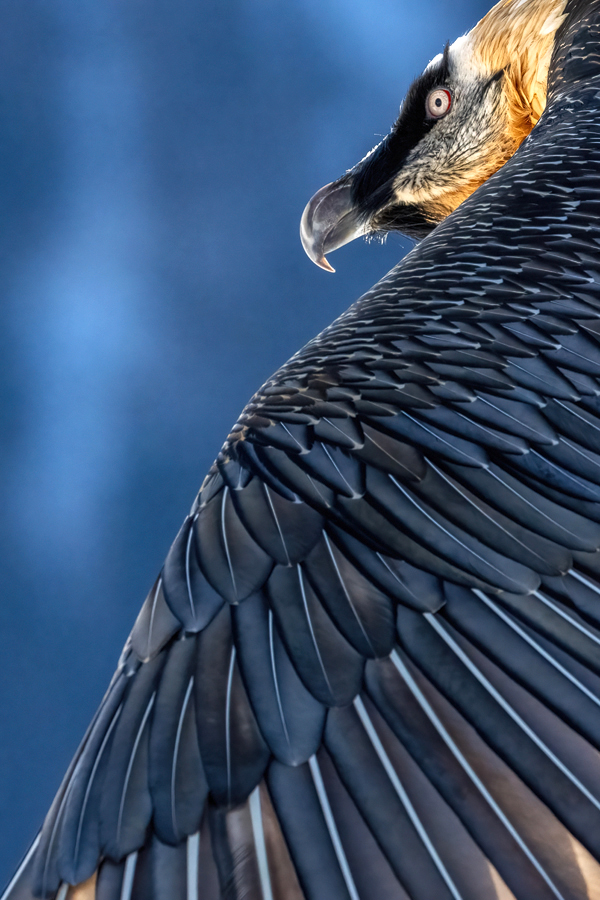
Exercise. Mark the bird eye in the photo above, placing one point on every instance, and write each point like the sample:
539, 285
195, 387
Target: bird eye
438, 103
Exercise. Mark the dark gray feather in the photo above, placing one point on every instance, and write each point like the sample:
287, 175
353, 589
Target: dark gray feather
290, 718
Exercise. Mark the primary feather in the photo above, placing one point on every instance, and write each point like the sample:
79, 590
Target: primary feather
370, 666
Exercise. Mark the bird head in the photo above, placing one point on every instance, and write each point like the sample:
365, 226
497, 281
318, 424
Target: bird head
460, 121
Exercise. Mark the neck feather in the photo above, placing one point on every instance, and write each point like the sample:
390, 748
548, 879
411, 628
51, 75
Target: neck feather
517, 36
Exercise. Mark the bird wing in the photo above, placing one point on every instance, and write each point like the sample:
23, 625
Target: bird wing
370, 666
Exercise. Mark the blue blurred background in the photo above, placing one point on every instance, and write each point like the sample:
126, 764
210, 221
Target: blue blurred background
155, 158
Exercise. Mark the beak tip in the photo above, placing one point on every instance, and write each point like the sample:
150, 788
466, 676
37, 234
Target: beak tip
314, 249
324, 264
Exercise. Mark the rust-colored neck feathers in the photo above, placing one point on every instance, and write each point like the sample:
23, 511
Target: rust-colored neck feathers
517, 36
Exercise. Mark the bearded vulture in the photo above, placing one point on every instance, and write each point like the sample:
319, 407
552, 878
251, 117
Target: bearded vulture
370, 666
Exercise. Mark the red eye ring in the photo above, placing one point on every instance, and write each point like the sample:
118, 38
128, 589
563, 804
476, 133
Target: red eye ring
438, 103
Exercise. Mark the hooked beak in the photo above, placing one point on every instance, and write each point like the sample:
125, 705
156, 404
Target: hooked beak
329, 221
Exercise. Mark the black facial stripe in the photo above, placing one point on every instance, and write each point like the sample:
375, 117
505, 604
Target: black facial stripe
445, 63
372, 179
495, 77
412, 220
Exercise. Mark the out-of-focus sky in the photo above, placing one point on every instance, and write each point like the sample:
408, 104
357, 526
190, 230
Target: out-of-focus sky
155, 158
